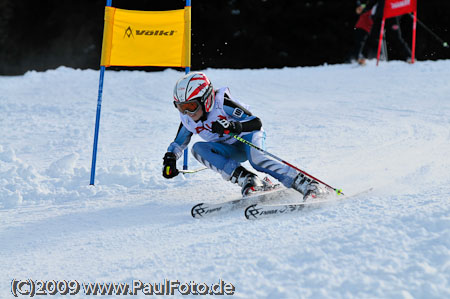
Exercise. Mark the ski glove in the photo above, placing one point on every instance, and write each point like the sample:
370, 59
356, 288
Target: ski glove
224, 126
170, 166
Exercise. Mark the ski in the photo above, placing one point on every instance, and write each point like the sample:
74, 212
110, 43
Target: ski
258, 211
202, 210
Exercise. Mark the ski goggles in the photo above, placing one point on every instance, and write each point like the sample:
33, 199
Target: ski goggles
193, 105
190, 107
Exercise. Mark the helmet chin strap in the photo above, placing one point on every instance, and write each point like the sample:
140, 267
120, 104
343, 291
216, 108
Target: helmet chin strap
204, 115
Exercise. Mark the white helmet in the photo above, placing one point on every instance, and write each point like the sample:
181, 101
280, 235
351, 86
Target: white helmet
192, 91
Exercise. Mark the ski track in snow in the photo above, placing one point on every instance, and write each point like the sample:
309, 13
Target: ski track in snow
386, 127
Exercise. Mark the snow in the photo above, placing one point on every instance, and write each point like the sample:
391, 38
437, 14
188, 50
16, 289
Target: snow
385, 127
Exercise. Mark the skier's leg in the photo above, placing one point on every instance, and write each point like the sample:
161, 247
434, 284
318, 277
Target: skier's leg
360, 41
225, 159
288, 176
220, 157
266, 164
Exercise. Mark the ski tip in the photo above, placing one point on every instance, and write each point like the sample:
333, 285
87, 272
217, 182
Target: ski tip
197, 210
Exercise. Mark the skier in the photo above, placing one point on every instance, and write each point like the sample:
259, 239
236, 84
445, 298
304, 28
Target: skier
212, 114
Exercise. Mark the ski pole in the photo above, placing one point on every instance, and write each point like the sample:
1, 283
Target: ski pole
338, 191
444, 43
192, 170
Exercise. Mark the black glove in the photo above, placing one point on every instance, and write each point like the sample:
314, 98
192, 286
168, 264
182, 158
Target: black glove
224, 126
170, 166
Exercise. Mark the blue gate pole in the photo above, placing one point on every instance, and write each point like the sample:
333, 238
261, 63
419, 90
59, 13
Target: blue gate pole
186, 70
97, 117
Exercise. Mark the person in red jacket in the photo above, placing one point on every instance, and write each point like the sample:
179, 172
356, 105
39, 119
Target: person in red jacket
363, 27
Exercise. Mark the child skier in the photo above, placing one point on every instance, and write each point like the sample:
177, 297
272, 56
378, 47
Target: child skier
213, 113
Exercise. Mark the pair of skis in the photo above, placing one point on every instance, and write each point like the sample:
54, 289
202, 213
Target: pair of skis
256, 207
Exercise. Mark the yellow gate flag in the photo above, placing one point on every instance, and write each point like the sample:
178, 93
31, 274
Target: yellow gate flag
147, 38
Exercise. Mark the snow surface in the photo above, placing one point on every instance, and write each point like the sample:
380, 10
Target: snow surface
386, 127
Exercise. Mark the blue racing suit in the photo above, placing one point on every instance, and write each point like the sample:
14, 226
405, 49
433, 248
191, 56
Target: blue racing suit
224, 154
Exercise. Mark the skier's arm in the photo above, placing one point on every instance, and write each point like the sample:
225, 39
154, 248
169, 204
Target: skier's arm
379, 10
181, 141
248, 121
239, 119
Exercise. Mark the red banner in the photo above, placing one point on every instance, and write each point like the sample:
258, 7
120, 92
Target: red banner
393, 8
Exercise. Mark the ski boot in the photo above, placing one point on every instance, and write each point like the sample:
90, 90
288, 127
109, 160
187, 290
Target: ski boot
362, 61
249, 181
308, 187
